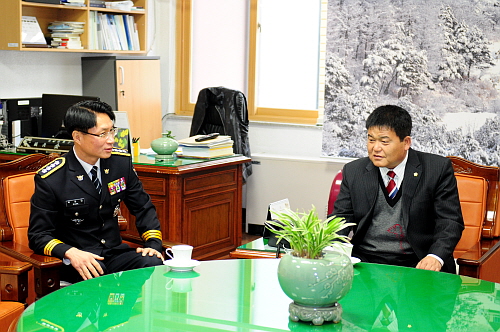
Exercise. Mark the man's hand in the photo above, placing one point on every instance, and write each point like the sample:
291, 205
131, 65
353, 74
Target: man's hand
429, 263
150, 252
85, 263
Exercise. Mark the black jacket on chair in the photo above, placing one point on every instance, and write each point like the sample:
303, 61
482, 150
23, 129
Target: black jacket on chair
224, 111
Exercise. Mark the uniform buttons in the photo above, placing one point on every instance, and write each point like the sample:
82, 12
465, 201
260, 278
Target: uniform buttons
76, 214
103, 241
119, 200
100, 207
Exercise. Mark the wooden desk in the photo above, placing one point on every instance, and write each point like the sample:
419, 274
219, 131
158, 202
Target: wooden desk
198, 202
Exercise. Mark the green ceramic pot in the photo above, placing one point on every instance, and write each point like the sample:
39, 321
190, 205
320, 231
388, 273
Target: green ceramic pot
164, 146
316, 282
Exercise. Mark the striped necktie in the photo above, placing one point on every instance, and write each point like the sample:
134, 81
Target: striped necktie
95, 179
391, 186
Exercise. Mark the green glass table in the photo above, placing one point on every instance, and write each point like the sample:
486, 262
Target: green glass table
244, 295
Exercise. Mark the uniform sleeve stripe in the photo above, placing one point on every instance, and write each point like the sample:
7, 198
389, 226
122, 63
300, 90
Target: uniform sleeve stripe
152, 234
49, 246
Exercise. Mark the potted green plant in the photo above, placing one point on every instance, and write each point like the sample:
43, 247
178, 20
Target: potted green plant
313, 279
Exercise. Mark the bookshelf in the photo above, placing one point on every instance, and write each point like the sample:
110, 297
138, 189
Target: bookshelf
11, 27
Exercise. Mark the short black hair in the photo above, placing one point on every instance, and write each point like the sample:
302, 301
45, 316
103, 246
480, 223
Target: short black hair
82, 115
392, 117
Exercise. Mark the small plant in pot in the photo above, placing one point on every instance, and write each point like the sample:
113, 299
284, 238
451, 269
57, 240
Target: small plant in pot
315, 281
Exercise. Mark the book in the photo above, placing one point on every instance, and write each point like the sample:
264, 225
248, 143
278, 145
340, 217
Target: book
66, 34
219, 141
204, 153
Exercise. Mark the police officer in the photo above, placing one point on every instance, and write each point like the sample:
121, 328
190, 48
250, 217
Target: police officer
77, 198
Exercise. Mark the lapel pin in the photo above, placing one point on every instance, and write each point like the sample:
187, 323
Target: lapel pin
415, 174
79, 177
106, 170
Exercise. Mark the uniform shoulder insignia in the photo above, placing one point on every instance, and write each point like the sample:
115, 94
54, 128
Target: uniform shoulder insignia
51, 167
120, 152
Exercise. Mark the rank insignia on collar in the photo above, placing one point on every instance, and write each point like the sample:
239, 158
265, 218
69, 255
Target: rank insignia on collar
106, 170
79, 177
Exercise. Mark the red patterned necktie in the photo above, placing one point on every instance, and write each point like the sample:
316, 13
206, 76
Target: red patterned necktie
391, 186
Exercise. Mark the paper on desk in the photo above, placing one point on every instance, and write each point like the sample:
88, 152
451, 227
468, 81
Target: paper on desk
147, 151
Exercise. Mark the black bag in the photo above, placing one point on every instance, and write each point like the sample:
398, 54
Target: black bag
273, 238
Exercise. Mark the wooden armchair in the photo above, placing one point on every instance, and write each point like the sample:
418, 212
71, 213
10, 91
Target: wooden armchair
13, 290
24, 164
482, 257
17, 190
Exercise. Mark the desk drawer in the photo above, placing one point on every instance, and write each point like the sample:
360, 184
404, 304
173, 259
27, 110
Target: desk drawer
210, 181
154, 186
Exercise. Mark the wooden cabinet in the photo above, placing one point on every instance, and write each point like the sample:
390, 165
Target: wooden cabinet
129, 84
13, 10
198, 204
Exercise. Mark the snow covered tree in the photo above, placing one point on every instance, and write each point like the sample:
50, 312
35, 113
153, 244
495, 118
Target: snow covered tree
396, 66
344, 133
338, 80
463, 48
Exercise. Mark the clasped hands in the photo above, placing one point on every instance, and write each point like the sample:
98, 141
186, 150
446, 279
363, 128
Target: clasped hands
87, 265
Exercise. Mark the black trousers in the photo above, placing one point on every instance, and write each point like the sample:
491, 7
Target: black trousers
410, 260
115, 260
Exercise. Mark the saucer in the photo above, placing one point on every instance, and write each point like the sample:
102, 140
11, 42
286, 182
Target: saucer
181, 274
355, 260
181, 266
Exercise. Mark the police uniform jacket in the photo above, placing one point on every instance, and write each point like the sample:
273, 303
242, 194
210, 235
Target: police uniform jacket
67, 210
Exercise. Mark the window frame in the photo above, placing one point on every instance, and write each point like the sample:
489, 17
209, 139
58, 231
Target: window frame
183, 105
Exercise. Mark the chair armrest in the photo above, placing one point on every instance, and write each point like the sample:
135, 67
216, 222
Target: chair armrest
136, 240
46, 268
481, 260
13, 279
25, 254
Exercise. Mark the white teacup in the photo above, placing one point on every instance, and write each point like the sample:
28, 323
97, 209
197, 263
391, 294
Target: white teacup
181, 252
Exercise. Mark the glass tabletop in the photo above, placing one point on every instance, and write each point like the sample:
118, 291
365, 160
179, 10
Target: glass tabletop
244, 295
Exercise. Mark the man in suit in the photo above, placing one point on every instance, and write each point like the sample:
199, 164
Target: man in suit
404, 203
77, 199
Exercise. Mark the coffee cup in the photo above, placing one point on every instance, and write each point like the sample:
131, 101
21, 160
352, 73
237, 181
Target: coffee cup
181, 252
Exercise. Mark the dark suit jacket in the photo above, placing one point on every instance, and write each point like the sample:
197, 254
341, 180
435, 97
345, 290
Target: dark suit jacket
67, 211
432, 218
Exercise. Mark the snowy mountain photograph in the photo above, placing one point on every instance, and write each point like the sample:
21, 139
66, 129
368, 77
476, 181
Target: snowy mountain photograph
440, 60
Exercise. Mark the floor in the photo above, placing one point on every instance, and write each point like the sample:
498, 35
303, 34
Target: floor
248, 238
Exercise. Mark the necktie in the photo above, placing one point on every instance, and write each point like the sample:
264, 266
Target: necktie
391, 186
95, 179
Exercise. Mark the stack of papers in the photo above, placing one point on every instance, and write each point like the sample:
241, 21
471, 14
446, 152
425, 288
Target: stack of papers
66, 34
212, 148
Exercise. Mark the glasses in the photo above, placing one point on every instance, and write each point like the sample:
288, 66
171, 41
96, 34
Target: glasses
105, 134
